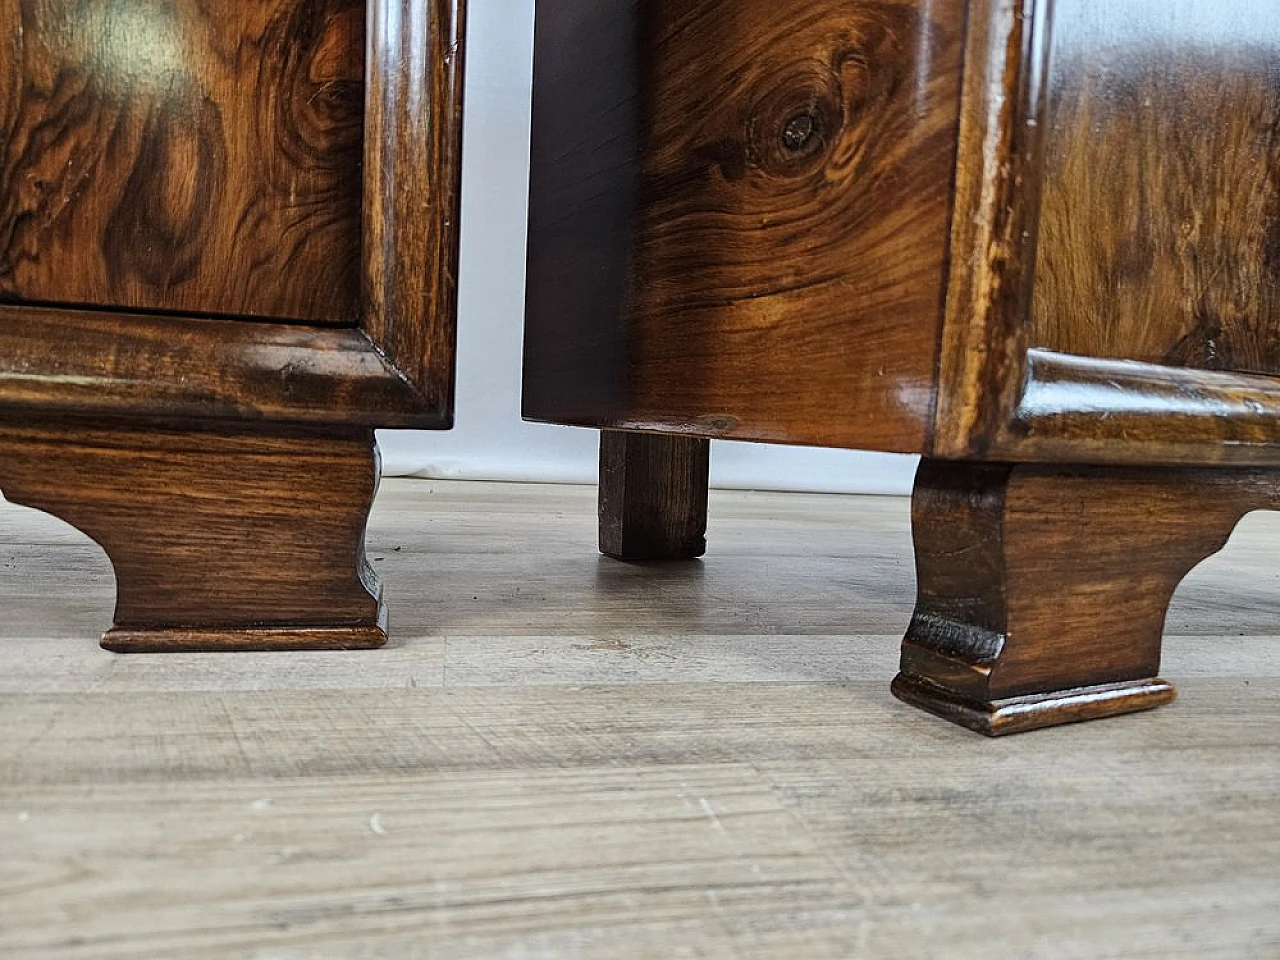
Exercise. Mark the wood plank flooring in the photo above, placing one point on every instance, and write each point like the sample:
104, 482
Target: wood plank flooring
561, 756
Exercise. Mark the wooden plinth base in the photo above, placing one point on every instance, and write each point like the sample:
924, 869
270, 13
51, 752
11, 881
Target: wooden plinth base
196, 640
1020, 714
1043, 589
222, 537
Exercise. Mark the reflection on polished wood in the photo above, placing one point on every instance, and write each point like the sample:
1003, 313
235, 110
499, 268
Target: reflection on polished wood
723, 244
1120, 411
1159, 230
200, 157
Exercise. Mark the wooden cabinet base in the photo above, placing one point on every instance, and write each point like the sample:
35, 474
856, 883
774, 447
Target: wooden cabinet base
222, 537
996, 718
1043, 590
653, 496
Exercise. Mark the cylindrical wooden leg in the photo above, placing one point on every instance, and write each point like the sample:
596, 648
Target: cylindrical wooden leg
1043, 589
653, 495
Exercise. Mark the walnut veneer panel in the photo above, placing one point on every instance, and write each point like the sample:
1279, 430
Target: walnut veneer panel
1159, 235
200, 156
739, 216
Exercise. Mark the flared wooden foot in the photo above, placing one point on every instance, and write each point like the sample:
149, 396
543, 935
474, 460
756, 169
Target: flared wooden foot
222, 538
653, 496
1043, 590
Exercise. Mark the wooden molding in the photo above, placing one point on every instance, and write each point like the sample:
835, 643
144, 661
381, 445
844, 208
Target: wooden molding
992, 223
1120, 411
119, 364
412, 188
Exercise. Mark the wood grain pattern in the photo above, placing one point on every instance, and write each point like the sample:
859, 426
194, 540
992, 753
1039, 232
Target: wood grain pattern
199, 156
993, 225
412, 190
1159, 228
220, 538
113, 364
783, 207
1043, 590
1085, 409
653, 496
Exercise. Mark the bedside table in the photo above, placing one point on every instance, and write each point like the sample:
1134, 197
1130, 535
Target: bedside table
228, 249
1037, 242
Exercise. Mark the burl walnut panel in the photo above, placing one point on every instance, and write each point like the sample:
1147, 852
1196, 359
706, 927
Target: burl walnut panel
199, 156
1159, 236
739, 216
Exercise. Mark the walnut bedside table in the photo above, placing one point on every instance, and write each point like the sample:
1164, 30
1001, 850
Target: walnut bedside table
228, 244
1037, 242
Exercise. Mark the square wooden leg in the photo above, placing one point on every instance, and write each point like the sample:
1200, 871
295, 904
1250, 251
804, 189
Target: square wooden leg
653, 496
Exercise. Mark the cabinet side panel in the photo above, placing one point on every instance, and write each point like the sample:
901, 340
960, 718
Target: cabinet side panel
196, 156
1159, 235
782, 215
584, 160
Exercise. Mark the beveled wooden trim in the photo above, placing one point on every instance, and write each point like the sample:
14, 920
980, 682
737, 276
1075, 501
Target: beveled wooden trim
999, 718
1120, 411
412, 188
105, 364
395, 369
992, 258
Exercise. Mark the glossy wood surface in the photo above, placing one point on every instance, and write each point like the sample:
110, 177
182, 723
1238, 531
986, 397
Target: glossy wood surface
1159, 225
111, 365
397, 369
412, 190
750, 244
221, 538
1120, 411
653, 496
198, 156
191, 165
992, 249
1042, 590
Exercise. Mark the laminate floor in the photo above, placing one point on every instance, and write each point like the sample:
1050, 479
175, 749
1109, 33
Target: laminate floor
560, 756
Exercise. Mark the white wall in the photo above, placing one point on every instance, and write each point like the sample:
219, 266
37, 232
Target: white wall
489, 440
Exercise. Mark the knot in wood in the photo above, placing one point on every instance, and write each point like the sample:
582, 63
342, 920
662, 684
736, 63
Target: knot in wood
798, 131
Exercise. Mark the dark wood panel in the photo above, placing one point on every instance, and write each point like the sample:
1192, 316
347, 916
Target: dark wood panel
200, 156
1159, 235
755, 245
